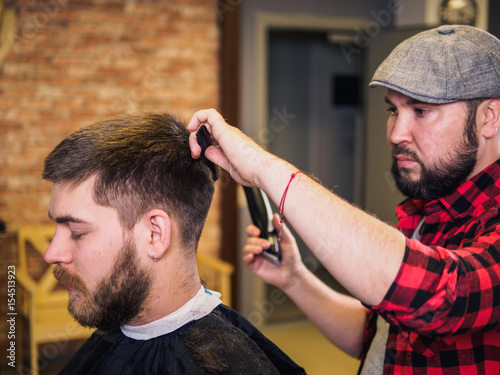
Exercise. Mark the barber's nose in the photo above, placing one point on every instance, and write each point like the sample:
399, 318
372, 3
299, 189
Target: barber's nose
399, 131
58, 251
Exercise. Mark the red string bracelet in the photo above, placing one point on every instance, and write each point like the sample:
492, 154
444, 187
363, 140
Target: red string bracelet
281, 207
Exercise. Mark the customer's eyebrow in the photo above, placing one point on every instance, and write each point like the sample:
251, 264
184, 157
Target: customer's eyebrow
67, 219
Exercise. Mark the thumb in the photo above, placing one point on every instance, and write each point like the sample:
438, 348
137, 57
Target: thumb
286, 235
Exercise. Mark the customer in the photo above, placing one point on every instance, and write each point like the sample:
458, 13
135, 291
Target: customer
129, 206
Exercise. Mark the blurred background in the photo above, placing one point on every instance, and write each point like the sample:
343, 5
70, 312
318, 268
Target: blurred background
291, 74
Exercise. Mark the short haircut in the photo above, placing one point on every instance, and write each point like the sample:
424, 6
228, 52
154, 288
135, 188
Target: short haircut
141, 162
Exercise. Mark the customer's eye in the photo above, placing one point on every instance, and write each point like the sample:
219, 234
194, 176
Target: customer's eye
75, 236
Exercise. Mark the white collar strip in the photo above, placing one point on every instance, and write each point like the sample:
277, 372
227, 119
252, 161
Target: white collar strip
202, 304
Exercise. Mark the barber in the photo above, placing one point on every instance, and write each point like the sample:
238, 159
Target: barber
430, 288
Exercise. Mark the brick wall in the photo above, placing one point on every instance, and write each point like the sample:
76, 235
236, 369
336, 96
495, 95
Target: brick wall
74, 62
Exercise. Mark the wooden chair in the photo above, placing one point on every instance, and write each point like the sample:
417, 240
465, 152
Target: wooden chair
39, 300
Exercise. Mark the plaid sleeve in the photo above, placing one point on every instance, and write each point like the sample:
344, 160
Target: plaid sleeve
441, 292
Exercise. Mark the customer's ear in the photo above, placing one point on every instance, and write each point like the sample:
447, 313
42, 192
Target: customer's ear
159, 226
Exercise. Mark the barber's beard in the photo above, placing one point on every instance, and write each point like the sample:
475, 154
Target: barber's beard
118, 297
441, 179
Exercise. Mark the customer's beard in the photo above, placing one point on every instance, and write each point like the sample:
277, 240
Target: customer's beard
443, 178
118, 297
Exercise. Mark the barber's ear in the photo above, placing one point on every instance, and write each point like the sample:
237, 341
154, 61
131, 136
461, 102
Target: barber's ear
490, 112
159, 226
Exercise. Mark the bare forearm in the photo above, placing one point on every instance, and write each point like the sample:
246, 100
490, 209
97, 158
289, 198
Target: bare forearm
361, 252
340, 318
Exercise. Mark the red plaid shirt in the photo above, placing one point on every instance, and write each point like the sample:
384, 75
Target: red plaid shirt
444, 305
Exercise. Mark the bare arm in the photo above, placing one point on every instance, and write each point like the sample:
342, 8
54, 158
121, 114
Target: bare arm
361, 252
339, 317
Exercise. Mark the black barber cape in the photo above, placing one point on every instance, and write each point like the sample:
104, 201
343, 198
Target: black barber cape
222, 342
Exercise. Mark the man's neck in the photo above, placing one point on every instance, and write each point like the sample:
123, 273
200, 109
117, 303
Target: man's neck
171, 289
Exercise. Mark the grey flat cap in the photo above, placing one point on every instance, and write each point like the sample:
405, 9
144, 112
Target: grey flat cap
444, 65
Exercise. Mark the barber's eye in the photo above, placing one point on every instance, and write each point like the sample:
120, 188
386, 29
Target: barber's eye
421, 111
392, 110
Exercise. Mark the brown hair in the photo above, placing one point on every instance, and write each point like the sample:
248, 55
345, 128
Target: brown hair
141, 162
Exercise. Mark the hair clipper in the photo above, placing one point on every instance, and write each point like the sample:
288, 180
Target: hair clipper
262, 217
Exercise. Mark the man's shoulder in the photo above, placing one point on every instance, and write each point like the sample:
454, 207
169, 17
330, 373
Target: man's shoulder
224, 338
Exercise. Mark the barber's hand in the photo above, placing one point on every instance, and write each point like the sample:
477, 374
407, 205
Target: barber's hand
235, 152
291, 263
